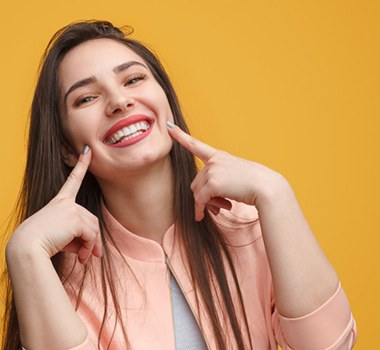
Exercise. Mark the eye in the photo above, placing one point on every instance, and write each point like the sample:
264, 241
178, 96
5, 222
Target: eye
84, 99
135, 78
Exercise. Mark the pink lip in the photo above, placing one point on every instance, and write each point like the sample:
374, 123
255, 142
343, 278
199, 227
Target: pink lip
126, 122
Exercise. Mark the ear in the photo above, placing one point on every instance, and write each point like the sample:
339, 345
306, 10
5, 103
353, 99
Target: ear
68, 155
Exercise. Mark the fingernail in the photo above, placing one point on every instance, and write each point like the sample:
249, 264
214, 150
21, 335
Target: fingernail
170, 124
85, 149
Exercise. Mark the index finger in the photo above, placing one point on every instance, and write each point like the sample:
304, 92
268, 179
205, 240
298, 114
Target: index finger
71, 187
196, 147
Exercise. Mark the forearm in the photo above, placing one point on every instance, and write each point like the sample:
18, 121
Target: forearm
45, 314
303, 278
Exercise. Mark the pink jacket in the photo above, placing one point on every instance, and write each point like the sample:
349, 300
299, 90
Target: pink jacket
145, 300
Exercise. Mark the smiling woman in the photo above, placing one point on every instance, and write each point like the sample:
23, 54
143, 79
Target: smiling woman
108, 99
122, 243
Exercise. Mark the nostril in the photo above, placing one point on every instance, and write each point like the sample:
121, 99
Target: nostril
116, 110
120, 106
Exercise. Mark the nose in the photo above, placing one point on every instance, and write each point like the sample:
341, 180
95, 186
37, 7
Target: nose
119, 103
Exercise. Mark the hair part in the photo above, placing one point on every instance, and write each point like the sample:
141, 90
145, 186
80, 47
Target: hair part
46, 172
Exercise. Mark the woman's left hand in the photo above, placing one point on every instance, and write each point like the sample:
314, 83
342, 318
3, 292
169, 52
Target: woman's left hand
226, 176
303, 279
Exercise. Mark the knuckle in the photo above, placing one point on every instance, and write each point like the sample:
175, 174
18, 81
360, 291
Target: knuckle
220, 156
96, 229
196, 197
212, 183
200, 198
94, 226
208, 170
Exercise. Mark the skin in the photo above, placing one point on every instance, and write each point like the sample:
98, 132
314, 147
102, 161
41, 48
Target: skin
123, 173
303, 278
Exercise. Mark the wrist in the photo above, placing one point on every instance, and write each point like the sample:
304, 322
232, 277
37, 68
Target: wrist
20, 251
278, 191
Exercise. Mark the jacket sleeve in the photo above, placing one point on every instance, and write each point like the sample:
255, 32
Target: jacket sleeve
86, 345
330, 327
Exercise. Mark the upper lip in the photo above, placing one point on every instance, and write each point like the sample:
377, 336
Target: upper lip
126, 121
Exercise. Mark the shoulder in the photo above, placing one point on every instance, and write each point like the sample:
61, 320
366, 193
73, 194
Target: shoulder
241, 224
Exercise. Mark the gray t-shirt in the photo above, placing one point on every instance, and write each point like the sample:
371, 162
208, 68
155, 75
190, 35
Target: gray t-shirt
187, 333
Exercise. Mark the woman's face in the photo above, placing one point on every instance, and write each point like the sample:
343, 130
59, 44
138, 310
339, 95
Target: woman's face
111, 102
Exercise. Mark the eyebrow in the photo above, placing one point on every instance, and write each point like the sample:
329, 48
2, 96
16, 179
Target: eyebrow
90, 80
124, 66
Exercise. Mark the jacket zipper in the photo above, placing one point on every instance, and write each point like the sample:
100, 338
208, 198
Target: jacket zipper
187, 300
171, 301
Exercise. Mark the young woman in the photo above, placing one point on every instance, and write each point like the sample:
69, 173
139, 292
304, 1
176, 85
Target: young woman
122, 244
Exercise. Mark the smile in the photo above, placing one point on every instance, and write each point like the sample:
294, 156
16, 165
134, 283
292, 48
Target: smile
129, 131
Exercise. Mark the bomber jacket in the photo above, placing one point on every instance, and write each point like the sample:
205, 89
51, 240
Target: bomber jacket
142, 267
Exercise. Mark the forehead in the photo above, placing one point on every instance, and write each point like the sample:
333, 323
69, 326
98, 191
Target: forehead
94, 58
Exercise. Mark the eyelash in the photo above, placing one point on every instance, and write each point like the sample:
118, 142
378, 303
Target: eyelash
133, 79
82, 100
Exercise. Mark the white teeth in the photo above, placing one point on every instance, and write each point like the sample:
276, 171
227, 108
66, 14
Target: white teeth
129, 132
133, 128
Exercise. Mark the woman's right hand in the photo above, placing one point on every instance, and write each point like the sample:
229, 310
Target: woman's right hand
62, 225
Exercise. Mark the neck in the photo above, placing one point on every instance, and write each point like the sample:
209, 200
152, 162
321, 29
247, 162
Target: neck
143, 203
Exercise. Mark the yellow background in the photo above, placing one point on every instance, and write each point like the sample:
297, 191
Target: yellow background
291, 84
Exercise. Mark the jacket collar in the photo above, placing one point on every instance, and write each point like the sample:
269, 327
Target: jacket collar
135, 246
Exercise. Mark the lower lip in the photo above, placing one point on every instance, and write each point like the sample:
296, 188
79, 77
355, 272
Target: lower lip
133, 140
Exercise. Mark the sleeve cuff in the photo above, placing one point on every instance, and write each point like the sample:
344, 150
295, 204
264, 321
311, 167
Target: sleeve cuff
86, 345
331, 326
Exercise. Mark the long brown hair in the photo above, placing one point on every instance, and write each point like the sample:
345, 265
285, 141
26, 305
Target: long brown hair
204, 244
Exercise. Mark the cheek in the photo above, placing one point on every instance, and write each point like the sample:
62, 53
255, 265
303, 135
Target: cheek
78, 133
156, 99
